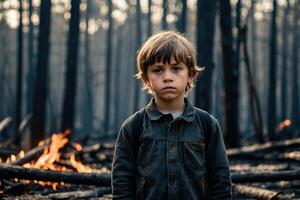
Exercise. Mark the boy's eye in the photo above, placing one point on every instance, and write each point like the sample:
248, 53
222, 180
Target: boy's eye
157, 70
176, 68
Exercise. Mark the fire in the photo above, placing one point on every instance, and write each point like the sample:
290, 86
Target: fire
284, 124
14, 157
51, 157
78, 165
77, 146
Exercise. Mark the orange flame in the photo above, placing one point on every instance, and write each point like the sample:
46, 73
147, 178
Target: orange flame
77, 146
51, 156
283, 124
14, 157
78, 165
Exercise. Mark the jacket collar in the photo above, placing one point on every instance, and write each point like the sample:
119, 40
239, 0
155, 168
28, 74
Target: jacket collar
187, 115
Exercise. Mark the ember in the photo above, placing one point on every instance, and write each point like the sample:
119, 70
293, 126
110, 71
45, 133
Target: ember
283, 124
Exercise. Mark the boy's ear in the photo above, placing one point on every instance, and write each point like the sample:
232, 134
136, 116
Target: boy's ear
145, 79
190, 78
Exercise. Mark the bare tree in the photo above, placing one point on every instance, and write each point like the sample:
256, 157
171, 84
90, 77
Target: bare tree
149, 31
30, 75
19, 85
40, 92
117, 78
138, 42
88, 105
164, 24
295, 64
238, 39
206, 11
284, 66
71, 71
253, 36
272, 75
108, 67
149, 24
182, 22
230, 76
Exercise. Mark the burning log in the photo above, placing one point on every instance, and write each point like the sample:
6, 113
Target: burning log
258, 193
4, 153
29, 156
249, 177
10, 171
269, 146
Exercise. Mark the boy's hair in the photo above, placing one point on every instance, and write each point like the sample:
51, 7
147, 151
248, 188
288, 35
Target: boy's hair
162, 47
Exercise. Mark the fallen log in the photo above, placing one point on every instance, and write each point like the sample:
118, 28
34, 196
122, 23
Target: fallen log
250, 177
277, 157
269, 146
258, 193
11, 171
85, 194
98, 192
96, 148
29, 156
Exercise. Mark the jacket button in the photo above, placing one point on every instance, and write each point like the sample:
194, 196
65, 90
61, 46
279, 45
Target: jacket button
171, 161
172, 145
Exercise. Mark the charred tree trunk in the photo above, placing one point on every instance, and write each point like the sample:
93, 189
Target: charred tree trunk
40, 93
71, 71
284, 66
182, 22
118, 78
253, 38
206, 11
231, 76
108, 67
30, 75
238, 39
295, 64
272, 75
138, 42
19, 85
149, 24
253, 95
164, 24
88, 106
149, 32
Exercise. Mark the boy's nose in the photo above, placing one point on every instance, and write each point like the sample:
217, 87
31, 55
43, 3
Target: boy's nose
168, 76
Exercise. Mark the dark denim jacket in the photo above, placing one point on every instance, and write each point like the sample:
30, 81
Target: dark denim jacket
157, 157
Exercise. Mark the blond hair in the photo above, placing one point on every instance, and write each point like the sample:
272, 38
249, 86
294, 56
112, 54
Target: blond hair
162, 47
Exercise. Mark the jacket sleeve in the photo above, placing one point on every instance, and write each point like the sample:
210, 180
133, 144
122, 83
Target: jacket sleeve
124, 165
219, 180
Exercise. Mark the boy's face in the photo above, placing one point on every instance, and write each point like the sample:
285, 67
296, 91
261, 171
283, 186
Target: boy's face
168, 81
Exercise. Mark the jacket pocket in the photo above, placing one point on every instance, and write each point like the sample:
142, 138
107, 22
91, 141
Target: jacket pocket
194, 155
148, 152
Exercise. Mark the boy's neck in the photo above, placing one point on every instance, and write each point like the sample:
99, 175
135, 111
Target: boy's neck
170, 106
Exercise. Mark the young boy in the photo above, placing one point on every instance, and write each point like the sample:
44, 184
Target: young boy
170, 149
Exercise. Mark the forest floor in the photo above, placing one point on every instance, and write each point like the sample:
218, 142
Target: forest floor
268, 171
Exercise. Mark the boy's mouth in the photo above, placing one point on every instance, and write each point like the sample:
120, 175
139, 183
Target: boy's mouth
169, 88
